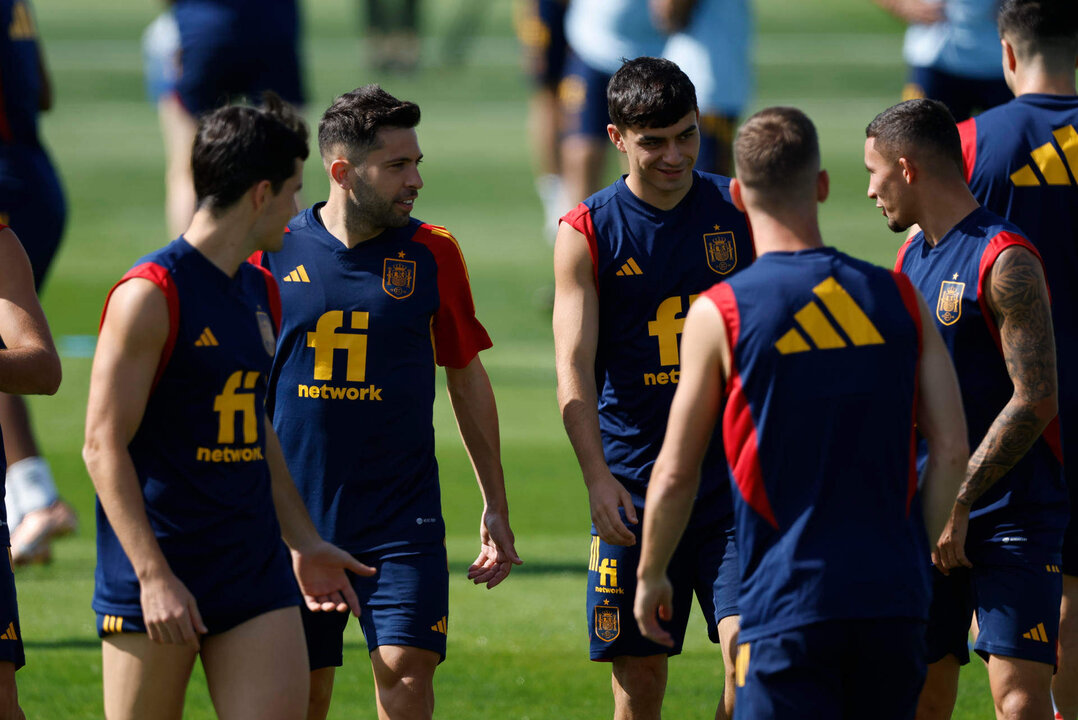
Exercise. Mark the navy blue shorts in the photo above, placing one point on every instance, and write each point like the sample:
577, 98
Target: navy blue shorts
716, 144
963, 96
216, 623
32, 203
11, 649
1017, 610
582, 93
541, 31
704, 564
832, 671
405, 603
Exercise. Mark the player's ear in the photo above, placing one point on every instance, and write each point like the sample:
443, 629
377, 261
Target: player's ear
615, 137
1010, 62
338, 172
909, 170
823, 186
735, 195
260, 193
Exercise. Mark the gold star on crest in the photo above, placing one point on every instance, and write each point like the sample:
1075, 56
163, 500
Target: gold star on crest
606, 602
716, 227
955, 276
401, 254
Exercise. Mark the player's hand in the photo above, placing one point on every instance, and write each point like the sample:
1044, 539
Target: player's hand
919, 12
670, 16
606, 496
654, 600
326, 587
950, 550
497, 551
170, 611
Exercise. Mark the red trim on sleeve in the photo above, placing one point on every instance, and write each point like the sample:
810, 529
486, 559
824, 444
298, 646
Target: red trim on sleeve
3, 226
992, 251
967, 133
273, 295
257, 258
456, 333
738, 427
5, 126
579, 218
160, 277
901, 257
909, 299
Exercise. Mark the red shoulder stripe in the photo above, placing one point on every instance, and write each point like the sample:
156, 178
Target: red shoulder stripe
992, 251
273, 294
160, 277
909, 299
579, 218
901, 257
967, 133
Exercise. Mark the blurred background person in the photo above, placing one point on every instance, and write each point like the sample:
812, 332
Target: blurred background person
393, 35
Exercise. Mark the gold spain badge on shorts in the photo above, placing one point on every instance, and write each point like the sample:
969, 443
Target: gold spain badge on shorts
398, 277
949, 305
607, 622
721, 251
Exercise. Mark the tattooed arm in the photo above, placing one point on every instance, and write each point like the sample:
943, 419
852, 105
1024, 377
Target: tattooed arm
1018, 298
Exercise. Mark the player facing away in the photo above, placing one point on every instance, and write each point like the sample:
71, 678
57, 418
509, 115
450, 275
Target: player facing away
1016, 158
818, 366
1002, 545
628, 262
193, 492
373, 301
29, 364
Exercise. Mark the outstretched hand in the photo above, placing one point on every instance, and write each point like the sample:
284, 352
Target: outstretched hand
326, 587
497, 552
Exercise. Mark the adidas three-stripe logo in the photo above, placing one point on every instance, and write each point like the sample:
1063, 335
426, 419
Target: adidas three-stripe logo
206, 339
629, 268
1037, 634
10, 633
1052, 167
812, 321
442, 626
297, 275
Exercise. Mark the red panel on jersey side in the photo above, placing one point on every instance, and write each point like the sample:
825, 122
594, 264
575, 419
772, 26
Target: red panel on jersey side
579, 218
160, 277
909, 299
967, 132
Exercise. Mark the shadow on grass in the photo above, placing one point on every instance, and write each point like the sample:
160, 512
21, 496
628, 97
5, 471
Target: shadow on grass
80, 643
532, 567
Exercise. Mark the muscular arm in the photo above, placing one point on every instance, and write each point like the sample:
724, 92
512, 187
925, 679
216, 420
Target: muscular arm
576, 333
676, 475
942, 422
1018, 298
477, 420
29, 363
128, 351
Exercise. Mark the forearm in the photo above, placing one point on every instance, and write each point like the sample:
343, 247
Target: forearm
580, 416
29, 370
297, 529
667, 509
1009, 438
943, 477
476, 413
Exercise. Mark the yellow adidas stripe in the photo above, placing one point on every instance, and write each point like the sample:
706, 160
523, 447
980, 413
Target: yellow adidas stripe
1025, 177
636, 268
812, 321
1068, 140
792, 342
303, 274
850, 317
1051, 165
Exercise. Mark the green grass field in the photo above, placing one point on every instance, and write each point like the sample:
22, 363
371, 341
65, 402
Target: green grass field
519, 651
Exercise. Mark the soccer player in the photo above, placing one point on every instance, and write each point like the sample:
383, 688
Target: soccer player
227, 48
950, 48
373, 300
28, 364
193, 492
1016, 158
32, 203
986, 283
819, 365
627, 264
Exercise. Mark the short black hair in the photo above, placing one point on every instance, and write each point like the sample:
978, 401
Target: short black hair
354, 119
920, 127
649, 93
239, 146
1041, 27
777, 149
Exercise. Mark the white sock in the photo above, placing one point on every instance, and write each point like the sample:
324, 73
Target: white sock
30, 487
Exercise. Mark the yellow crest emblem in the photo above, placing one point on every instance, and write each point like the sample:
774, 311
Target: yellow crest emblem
607, 622
721, 252
398, 277
949, 305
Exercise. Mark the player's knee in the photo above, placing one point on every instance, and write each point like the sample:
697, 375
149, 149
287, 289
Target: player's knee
1015, 703
321, 693
641, 678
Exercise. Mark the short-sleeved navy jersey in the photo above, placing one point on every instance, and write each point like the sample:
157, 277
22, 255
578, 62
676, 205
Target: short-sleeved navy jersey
818, 429
199, 451
352, 387
20, 74
1022, 163
650, 264
1022, 516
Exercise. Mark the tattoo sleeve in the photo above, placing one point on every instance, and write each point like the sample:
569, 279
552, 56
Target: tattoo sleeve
1018, 298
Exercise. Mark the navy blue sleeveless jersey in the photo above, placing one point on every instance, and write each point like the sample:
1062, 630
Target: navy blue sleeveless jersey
1022, 516
650, 264
1017, 159
818, 429
352, 386
199, 451
20, 74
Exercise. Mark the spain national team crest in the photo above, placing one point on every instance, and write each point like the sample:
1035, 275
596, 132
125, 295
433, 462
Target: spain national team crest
265, 328
721, 252
949, 306
398, 277
607, 622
